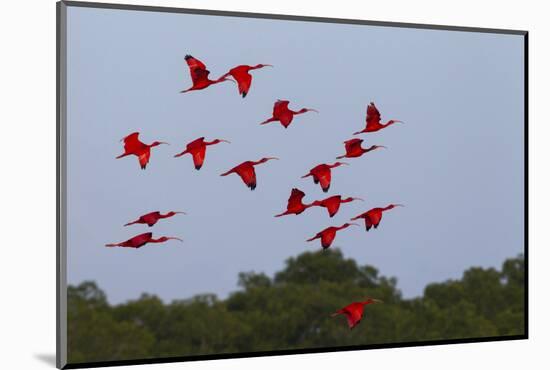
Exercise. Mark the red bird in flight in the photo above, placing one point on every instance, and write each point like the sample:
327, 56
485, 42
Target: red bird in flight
354, 149
199, 75
246, 171
354, 311
332, 204
322, 174
283, 114
197, 148
374, 216
140, 240
152, 218
295, 205
373, 120
133, 146
243, 77
327, 235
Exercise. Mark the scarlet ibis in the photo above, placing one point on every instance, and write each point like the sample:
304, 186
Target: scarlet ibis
283, 114
243, 77
246, 171
199, 75
322, 174
295, 205
152, 218
197, 148
142, 239
373, 120
374, 216
354, 311
133, 146
327, 235
332, 204
354, 149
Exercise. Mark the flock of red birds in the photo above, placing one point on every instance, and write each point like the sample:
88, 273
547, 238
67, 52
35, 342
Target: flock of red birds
321, 174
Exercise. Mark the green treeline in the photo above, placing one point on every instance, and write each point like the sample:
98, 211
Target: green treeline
292, 311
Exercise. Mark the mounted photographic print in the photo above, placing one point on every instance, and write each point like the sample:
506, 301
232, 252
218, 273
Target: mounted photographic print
236, 184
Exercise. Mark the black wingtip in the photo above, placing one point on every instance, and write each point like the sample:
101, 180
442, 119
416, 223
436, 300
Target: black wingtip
244, 94
187, 57
198, 167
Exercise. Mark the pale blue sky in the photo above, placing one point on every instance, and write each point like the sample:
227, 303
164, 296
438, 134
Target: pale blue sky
457, 163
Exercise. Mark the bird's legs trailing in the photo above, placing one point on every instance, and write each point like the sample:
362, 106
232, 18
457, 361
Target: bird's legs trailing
272, 119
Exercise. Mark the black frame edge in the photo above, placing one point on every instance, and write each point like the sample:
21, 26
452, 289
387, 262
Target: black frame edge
225, 356
61, 276
287, 17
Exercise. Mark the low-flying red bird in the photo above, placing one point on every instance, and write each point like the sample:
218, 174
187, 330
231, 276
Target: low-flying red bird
374, 216
295, 205
152, 218
283, 114
332, 204
197, 148
246, 171
373, 120
142, 239
354, 149
354, 311
243, 77
327, 235
133, 146
322, 174
199, 75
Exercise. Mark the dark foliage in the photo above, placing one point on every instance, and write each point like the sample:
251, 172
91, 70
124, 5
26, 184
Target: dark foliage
292, 311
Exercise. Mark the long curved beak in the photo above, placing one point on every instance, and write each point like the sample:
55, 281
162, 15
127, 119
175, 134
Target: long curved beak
183, 213
346, 163
355, 198
225, 141
399, 205
398, 121
312, 110
221, 79
163, 142
272, 158
382, 146
375, 300
353, 223
174, 238
268, 65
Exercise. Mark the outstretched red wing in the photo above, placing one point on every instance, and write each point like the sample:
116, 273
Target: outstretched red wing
374, 217
373, 115
141, 239
197, 69
144, 158
151, 218
280, 107
199, 153
327, 237
244, 80
324, 180
195, 143
132, 143
353, 145
295, 198
354, 313
332, 205
248, 175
